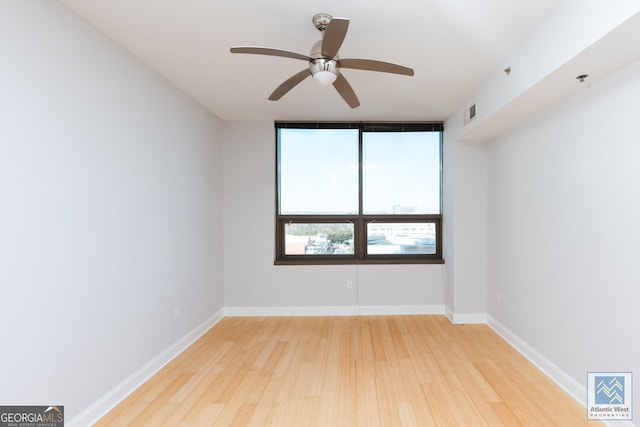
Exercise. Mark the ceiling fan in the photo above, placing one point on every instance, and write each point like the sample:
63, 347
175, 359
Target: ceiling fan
324, 63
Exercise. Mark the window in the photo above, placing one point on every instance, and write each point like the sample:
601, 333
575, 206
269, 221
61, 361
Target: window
358, 193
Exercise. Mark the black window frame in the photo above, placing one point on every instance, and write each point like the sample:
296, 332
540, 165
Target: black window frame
359, 220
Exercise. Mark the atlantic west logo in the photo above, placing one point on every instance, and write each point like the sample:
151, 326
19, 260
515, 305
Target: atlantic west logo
609, 390
609, 395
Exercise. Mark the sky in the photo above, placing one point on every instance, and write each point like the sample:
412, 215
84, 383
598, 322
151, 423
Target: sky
319, 171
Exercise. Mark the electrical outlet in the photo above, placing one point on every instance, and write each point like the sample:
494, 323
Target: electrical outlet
349, 284
498, 297
176, 312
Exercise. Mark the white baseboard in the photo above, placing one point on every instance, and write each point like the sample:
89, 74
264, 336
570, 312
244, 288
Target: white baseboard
370, 310
448, 312
467, 318
107, 402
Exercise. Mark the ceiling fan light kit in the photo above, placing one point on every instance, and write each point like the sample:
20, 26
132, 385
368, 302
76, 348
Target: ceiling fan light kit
324, 71
323, 61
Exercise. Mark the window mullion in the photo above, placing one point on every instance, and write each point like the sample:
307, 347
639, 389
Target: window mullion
362, 232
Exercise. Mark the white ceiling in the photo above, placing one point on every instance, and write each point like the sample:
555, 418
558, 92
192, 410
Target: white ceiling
453, 46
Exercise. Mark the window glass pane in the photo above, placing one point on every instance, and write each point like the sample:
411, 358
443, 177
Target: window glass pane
401, 173
318, 171
401, 238
318, 239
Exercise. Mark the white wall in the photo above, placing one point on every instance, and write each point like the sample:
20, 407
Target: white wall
254, 285
465, 225
110, 210
563, 231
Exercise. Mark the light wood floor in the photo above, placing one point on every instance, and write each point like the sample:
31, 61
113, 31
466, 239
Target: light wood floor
349, 371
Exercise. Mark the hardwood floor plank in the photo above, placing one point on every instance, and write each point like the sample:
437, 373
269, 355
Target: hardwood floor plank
155, 410
367, 404
205, 414
348, 371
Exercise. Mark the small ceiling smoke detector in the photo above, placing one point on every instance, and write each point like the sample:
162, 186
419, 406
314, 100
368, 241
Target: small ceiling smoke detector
582, 77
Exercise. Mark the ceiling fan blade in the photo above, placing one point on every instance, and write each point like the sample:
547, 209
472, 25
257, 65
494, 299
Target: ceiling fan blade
372, 65
346, 91
289, 84
334, 36
270, 51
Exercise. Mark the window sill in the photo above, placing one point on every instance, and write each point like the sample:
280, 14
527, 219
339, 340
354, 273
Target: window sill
317, 261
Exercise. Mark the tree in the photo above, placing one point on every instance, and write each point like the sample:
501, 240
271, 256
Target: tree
339, 236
